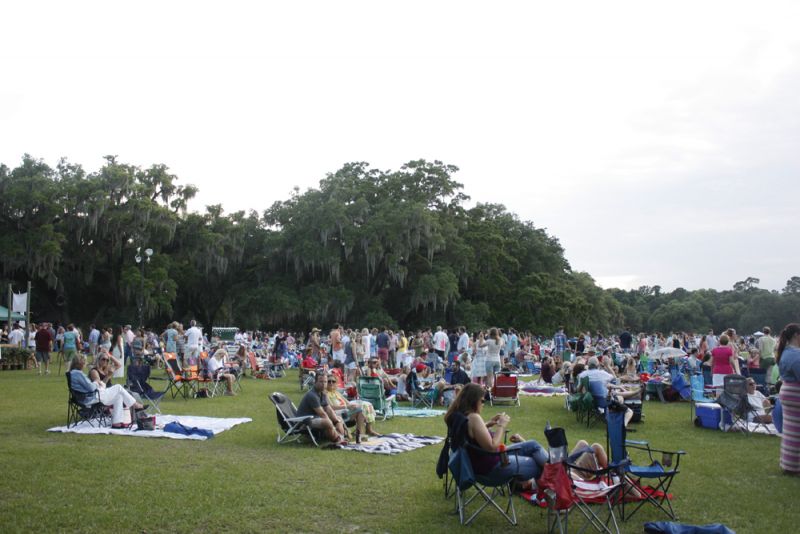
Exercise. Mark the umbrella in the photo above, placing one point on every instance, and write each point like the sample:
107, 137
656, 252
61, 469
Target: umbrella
667, 352
757, 334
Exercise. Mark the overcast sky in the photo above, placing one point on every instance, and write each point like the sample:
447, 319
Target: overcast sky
659, 144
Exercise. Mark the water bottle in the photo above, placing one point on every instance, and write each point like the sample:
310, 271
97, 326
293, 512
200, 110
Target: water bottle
503, 455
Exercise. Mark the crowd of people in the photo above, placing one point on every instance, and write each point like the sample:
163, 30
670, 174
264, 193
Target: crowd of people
342, 354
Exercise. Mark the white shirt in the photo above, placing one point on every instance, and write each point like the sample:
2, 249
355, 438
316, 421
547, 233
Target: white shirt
193, 336
440, 340
597, 375
129, 336
463, 342
16, 336
214, 365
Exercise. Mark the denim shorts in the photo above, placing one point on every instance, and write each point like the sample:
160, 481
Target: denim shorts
492, 367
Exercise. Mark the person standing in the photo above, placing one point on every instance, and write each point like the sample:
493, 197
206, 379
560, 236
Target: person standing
94, 340
194, 339
788, 358
16, 336
382, 342
70, 342
337, 346
766, 350
493, 345
169, 337
44, 345
559, 344
625, 341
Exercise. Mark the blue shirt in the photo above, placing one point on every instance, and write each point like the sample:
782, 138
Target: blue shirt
69, 340
81, 383
789, 365
169, 340
560, 341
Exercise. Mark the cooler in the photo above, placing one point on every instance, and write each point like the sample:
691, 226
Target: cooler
710, 414
636, 406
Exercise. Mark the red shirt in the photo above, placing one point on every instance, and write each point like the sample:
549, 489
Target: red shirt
309, 363
720, 358
43, 339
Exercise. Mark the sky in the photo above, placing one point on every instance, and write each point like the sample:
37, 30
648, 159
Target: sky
657, 141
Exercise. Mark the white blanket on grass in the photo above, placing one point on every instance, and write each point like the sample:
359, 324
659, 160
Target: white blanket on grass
392, 443
215, 424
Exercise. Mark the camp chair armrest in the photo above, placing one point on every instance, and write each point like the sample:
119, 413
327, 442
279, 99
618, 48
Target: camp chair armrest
300, 419
635, 443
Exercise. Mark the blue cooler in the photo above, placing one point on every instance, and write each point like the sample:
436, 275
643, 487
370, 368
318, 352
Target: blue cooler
710, 414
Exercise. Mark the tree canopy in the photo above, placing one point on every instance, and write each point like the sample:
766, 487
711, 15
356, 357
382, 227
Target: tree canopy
366, 248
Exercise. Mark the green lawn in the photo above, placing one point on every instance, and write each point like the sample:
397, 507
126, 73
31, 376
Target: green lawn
243, 481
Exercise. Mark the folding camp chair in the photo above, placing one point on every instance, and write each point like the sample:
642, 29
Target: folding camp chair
256, 370
599, 407
425, 397
370, 389
84, 407
292, 427
178, 384
699, 394
735, 402
275, 368
566, 486
660, 473
137, 377
505, 389
470, 485
307, 377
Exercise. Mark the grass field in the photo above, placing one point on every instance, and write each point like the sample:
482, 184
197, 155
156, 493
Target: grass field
242, 481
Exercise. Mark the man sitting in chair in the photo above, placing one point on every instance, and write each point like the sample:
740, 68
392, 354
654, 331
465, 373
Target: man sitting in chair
315, 402
375, 370
457, 380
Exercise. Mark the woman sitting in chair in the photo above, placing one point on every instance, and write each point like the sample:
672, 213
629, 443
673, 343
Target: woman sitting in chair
115, 396
526, 458
105, 367
361, 412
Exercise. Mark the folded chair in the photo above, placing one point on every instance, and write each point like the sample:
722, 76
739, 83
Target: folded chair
505, 389
370, 389
565, 486
85, 407
734, 401
137, 378
291, 426
307, 377
469, 485
651, 481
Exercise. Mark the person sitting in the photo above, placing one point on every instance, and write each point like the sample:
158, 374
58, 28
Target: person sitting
546, 374
115, 396
315, 403
105, 367
758, 404
508, 366
309, 363
389, 382
563, 374
218, 371
358, 412
458, 379
525, 458
338, 372
603, 382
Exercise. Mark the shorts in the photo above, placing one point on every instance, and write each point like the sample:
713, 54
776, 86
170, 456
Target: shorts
492, 367
383, 354
352, 365
339, 355
193, 351
318, 422
42, 356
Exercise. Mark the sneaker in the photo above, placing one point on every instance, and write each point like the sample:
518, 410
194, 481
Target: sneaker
47, 372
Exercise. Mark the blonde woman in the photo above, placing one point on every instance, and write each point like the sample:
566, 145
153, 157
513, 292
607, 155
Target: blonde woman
361, 411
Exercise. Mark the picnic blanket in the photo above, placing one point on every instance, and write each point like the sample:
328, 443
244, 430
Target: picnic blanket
417, 412
540, 389
392, 443
214, 424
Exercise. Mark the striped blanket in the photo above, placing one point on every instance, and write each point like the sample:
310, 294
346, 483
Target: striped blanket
392, 443
417, 412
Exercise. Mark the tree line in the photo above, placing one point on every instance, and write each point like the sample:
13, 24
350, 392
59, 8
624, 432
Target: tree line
366, 247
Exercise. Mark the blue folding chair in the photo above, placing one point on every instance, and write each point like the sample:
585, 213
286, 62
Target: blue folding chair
699, 394
466, 480
599, 393
652, 481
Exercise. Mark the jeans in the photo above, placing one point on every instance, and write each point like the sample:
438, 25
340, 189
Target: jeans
525, 464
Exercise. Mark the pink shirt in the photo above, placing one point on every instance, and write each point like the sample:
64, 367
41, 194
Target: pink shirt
721, 360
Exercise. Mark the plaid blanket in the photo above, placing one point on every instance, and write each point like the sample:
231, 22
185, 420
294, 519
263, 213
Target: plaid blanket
392, 443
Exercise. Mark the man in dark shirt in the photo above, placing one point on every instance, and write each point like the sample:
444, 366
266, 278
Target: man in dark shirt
315, 402
44, 344
382, 341
625, 340
458, 379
